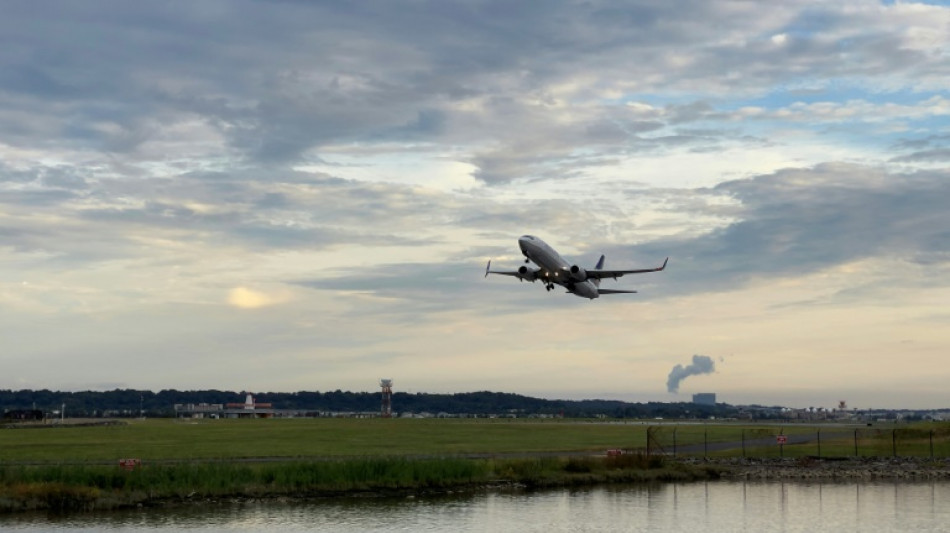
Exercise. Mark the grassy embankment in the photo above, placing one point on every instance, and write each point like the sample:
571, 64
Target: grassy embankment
70, 468
76, 468
76, 487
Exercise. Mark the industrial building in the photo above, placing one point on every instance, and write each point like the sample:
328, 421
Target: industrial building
704, 398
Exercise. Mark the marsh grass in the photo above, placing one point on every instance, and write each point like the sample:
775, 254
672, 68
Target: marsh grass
77, 487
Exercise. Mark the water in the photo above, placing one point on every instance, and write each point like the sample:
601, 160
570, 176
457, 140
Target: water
670, 508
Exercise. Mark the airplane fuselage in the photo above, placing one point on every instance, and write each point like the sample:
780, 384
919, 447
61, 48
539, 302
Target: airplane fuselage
554, 268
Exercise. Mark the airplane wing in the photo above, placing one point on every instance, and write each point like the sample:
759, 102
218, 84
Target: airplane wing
488, 271
614, 291
601, 274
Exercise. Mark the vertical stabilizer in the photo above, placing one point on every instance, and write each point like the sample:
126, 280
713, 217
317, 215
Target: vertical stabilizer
600, 266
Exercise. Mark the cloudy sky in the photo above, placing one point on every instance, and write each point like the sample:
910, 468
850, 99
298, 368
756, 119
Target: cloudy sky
283, 196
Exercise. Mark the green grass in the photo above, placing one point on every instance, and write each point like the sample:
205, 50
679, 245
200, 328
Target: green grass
227, 439
79, 487
69, 487
187, 440
219, 478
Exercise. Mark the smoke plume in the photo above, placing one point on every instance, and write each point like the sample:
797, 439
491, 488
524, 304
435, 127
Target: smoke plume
701, 365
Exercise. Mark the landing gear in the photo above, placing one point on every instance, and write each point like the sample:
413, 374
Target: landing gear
549, 287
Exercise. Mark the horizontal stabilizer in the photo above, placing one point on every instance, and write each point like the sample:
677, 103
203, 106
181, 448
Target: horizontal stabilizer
613, 291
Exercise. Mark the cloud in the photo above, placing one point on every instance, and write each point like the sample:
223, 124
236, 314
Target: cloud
935, 155
202, 157
797, 221
495, 81
790, 223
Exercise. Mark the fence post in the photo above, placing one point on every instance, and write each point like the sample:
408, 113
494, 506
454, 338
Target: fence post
706, 443
649, 429
931, 445
894, 441
674, 442
819, 443
855, 443
743, 442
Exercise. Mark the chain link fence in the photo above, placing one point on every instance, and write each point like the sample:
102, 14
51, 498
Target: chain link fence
776, 441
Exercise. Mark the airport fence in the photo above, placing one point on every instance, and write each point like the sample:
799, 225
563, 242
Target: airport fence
776, 441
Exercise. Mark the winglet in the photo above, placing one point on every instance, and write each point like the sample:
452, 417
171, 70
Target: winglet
488, 267
664, 264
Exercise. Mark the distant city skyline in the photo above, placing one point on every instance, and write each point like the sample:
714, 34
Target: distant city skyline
281, 196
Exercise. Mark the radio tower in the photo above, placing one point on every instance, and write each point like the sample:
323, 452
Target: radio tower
387, 410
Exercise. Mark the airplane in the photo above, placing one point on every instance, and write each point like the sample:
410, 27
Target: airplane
554, 270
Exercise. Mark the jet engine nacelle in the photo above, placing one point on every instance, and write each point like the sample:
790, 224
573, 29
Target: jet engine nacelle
528, 274
578, 273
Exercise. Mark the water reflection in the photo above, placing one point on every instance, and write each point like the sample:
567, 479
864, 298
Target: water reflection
713, 506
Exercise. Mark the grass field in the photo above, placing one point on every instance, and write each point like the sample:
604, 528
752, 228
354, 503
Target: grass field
162, 439
184, 440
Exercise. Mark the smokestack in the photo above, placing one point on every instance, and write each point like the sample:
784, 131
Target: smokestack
701, 365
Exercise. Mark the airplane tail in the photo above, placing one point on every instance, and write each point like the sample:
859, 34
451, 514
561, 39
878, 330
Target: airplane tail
600, 266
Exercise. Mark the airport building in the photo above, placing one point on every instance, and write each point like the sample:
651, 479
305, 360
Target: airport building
248, 409
253, 409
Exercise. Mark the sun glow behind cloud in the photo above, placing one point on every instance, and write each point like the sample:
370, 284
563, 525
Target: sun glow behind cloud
245, 298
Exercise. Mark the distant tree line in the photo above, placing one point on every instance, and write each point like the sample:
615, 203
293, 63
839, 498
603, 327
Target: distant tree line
130, 402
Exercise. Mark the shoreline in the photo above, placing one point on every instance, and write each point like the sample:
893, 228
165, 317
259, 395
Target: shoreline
802, 469
420, 480
830, 468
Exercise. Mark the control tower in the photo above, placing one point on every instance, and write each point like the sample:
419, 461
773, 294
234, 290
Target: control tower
387, 409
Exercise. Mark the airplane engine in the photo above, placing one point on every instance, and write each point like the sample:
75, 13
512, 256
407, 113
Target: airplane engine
528, 274
578, 273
